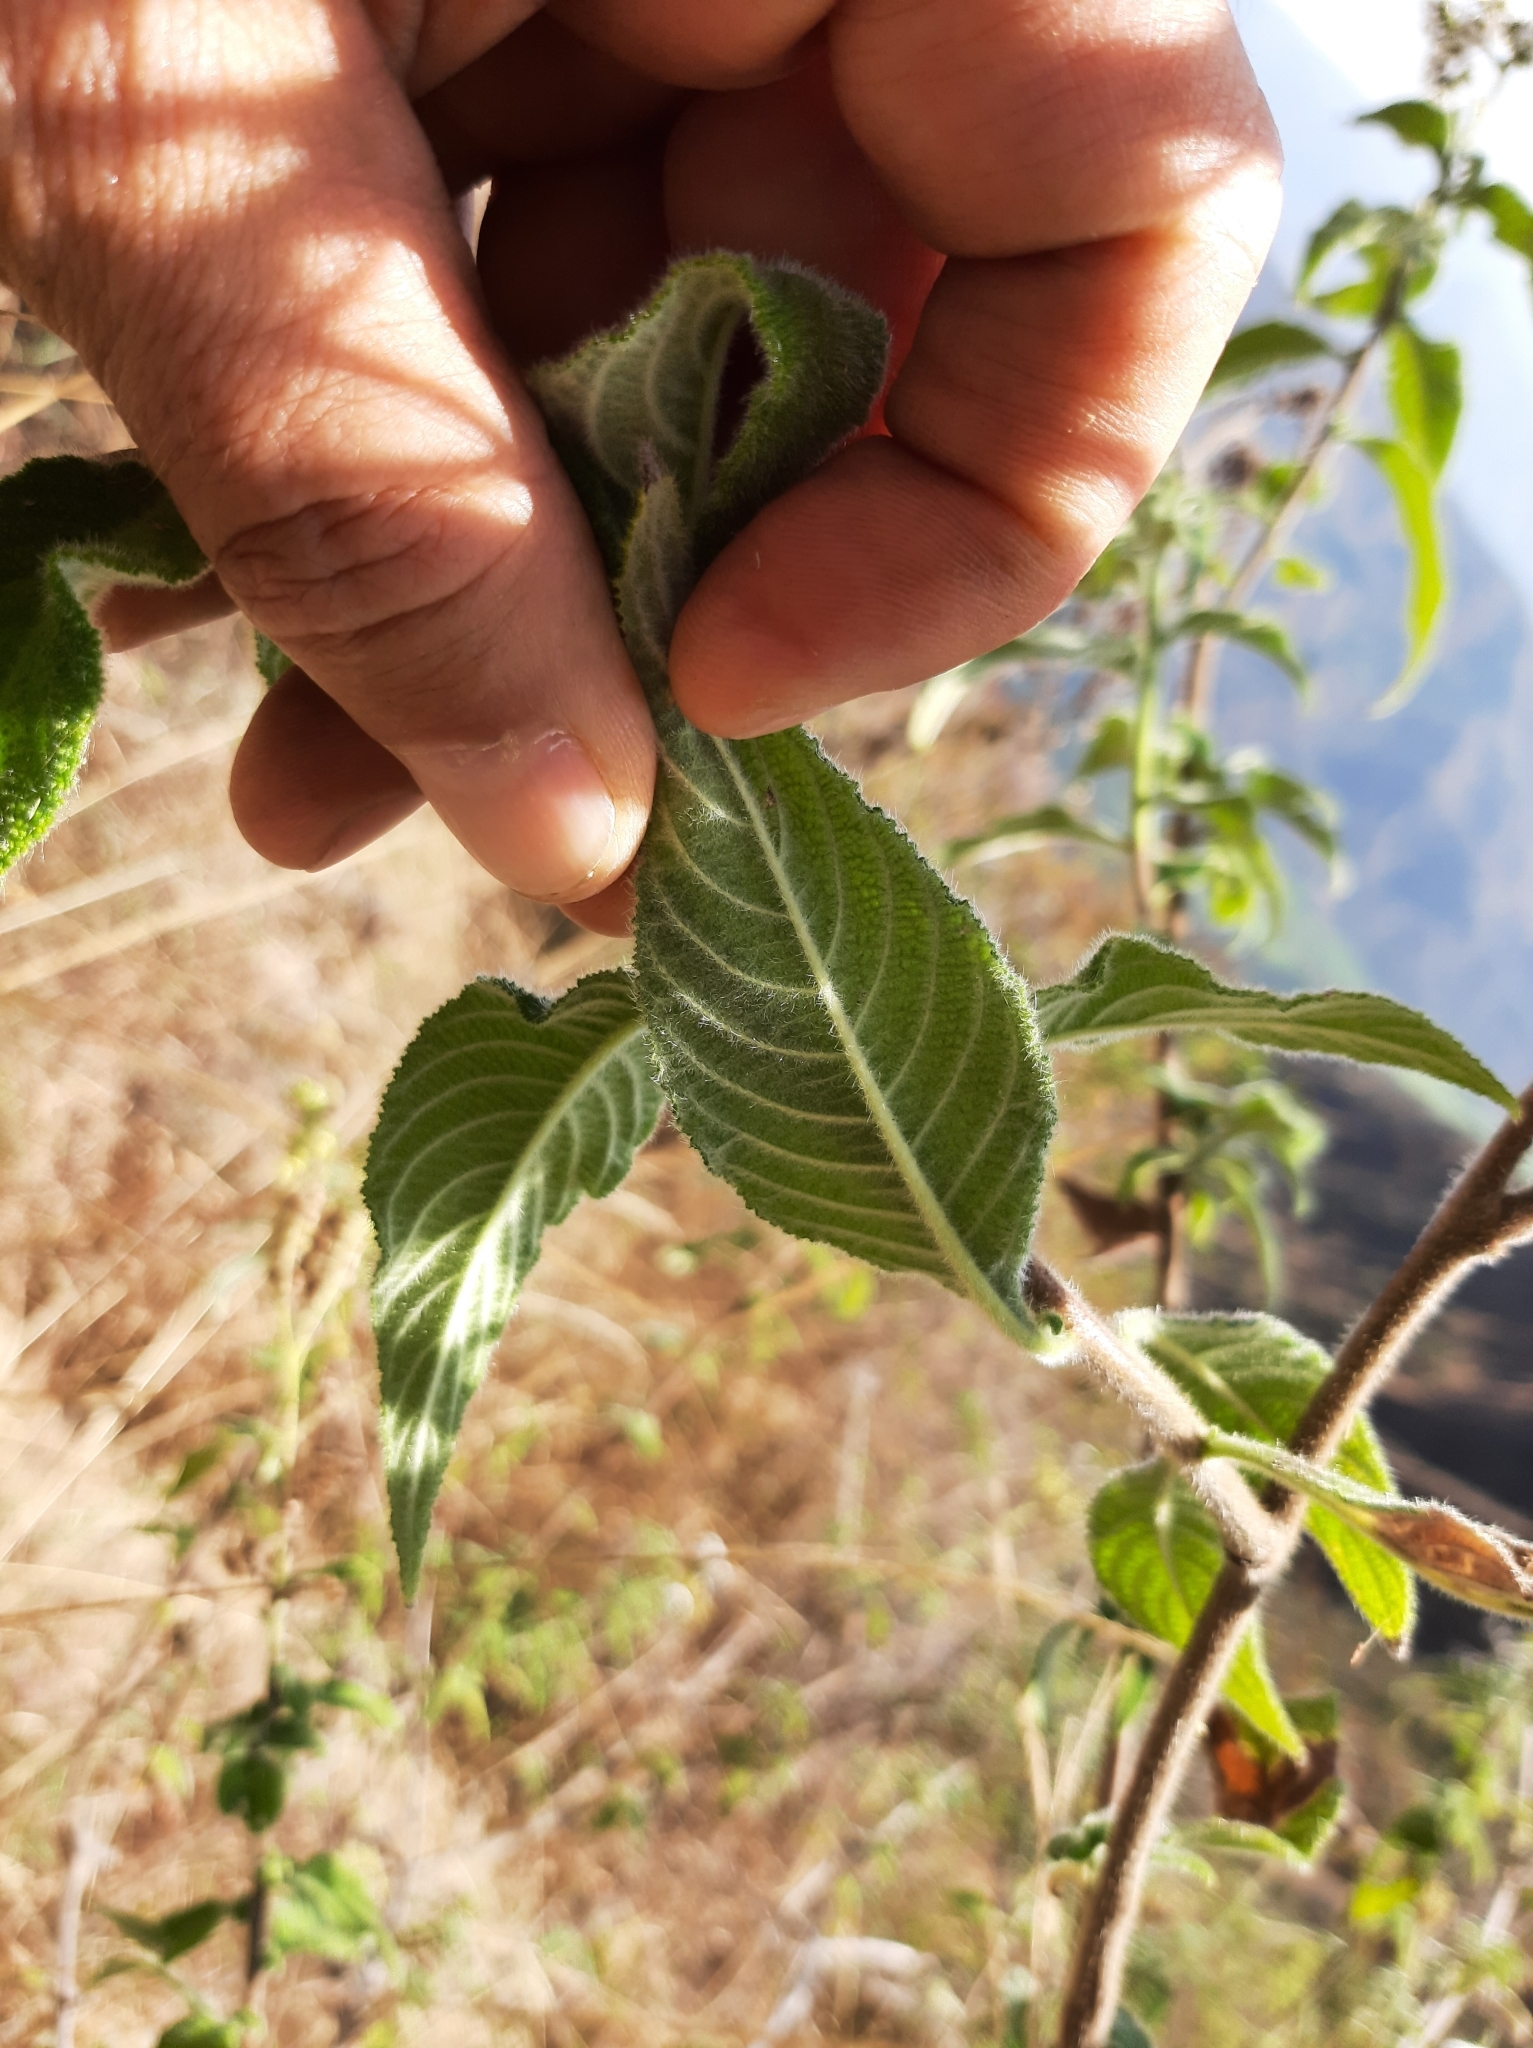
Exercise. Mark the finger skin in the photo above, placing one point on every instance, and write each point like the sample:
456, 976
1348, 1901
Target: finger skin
307, 785
541, 96
264, 273
1105, 172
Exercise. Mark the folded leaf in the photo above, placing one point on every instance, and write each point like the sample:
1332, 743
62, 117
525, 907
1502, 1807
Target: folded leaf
1411, 486
1255, 1374
643, 398
1270, 345
504, 1110
1482, 1566
1156, 1551
1132, 984
69, 529
836, 1031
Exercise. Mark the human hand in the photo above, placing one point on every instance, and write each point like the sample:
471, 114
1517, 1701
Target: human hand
239, 215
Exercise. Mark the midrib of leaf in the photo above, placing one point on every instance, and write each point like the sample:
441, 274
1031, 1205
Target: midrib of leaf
975, 1284
1211, 1379
527, 1168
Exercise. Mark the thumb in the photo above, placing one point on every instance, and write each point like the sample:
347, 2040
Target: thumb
260, 264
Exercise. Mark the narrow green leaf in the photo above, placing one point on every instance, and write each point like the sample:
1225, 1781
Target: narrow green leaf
1411, 487
1244, 1838
1416, 122
1126, 2031
1425, 386
1510, 216
69, 530
1156, 1551
1026, 830
836, 1031
177, 1933
1271, 345
1132, 984
1255, 1374
1351, 224
504, 1110
1261, 636
1481, 1566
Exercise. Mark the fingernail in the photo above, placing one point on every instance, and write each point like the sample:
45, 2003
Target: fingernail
537, 814
364, 826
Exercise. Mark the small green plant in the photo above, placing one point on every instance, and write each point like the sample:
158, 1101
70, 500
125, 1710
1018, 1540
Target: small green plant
317, 1906
845, 1044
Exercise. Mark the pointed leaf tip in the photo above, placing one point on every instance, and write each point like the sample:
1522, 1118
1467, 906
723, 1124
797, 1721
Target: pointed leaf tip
504, 1110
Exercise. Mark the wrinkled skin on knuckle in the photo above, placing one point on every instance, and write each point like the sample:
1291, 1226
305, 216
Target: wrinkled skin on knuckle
375, 588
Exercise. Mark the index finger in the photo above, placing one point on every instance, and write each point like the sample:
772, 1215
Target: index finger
1103, 175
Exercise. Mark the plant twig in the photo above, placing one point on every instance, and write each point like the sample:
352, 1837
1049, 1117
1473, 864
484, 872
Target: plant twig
87, 1854
1476, 1221
1176, 1425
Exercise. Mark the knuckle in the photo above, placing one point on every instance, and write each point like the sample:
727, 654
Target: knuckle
379, 584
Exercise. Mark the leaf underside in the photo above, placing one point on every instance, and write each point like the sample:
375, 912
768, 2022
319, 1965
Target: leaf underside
1131, 984
504, 1110
69, 528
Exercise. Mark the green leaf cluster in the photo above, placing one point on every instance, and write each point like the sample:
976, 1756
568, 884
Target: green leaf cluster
258, 1744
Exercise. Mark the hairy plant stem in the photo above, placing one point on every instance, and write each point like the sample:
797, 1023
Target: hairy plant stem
1476, 1221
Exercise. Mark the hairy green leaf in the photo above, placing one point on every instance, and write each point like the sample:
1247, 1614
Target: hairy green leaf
1482, 1566
504, 1110
1025, 830
1417, 122
1261, 636
69, 530
643, 398
1255, 1374
1270, 345
1156, 1551
177, 1933
1411, 487
1426, 394
836, 1031
1132, 984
